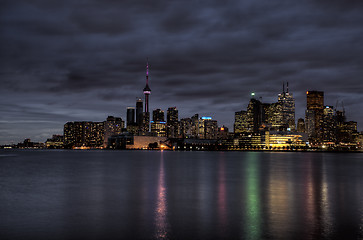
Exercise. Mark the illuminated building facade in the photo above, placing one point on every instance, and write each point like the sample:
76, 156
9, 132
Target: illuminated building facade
287, 103
240, 122
158, 128
172, 123
283, 140
301, 125
223, 133
83, 134
56, 142
194, 131
210, 128
329, 126
315, 110
310, 123
113, 126
274, 116
185, 126
158, 125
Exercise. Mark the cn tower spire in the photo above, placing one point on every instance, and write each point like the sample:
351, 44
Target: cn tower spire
147, 71
147, 90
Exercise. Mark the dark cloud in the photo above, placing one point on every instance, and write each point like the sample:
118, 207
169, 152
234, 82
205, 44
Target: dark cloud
83, 60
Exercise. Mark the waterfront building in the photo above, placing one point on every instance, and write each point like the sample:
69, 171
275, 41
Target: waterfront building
56, 142
113, 125
284, 140
83, 134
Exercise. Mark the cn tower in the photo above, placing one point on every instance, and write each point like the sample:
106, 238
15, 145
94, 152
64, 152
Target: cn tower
147, 90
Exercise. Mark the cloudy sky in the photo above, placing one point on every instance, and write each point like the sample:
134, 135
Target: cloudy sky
84, 60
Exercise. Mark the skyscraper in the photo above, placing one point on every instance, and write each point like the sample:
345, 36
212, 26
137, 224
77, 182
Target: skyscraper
158, 125
287, 102
329, 125
254, 114
158, 115
130, 116
139, 109
315, 109
240, 122
210, 128
172, 122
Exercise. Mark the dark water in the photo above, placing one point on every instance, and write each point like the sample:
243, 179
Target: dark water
180, 195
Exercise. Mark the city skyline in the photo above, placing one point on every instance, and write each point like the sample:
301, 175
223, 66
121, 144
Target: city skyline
204, 61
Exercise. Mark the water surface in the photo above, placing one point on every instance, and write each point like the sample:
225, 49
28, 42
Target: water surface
180, 195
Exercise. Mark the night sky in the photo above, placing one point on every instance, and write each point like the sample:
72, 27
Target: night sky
84, 60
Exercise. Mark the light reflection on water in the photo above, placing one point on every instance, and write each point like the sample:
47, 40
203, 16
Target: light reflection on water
161, 220
180, 195
252, 208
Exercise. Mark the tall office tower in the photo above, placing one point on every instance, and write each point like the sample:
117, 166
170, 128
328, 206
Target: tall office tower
130, 119
147, 91
158, 115
310, 123
210, 128
287, 102
113, 125
139, 111
315, 106
240, 122
301, 125
274, 116
329, 125
172, 122
158, 125
185, 126
254, 114
194, 131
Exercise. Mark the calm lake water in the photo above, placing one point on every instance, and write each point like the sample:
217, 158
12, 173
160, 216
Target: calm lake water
180, 195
